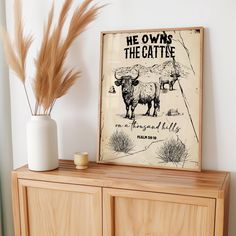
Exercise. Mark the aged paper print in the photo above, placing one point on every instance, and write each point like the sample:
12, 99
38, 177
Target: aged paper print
151, 98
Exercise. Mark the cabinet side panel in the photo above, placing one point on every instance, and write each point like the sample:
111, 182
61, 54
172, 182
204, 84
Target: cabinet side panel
23, 209
15, 205
222, 210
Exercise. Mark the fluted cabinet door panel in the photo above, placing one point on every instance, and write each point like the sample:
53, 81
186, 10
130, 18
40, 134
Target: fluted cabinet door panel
134, 213
52, 209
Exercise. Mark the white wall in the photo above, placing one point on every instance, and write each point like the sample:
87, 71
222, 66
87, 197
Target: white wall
77, 112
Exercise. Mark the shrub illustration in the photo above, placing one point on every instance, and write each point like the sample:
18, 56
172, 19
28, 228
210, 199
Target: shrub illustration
120, 142
173, 151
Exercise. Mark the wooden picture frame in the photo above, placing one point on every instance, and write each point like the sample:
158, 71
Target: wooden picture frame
150, 110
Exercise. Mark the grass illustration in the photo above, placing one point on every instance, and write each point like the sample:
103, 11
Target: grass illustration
120, 142
173, 151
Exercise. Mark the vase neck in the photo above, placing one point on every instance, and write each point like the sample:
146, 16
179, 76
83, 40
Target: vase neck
41, 117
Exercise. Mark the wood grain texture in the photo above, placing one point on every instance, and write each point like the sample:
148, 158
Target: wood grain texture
23, 210
222, 210
52, 209
205, 183
15, 204
112, 198
150, 30
134, 213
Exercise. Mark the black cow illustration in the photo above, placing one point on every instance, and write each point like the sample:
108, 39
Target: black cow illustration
135, 92
168, 80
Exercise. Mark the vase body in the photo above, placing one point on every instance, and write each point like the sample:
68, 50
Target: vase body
42, 144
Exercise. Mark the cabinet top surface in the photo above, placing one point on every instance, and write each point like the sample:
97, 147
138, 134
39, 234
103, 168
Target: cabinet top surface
205, 183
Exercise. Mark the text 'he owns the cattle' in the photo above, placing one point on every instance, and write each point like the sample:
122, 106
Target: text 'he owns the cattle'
149, 49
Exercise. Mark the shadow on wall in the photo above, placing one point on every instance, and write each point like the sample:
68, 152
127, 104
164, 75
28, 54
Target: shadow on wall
83, 138
210, 151
79, 96
77, 111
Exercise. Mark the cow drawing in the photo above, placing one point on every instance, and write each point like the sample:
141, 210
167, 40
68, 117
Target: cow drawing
135, 92
168, 80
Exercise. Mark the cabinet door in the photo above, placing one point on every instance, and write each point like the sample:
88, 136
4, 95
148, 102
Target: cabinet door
136, 213
53, 209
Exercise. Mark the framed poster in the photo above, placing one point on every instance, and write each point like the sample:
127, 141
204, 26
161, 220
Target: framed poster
151, 98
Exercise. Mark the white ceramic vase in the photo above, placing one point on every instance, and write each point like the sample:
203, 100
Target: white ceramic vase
42, 144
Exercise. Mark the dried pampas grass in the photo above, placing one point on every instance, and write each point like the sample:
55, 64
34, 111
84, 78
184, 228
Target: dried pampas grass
52, 80
17, 58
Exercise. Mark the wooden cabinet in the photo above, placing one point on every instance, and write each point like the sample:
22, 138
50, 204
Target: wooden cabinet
119, 201
59, 209
143, 213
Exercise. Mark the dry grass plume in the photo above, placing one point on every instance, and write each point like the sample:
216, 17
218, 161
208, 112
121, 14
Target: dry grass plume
16, 52
52, 80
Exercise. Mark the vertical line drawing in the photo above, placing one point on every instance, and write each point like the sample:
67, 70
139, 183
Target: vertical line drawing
185, 102
181, 41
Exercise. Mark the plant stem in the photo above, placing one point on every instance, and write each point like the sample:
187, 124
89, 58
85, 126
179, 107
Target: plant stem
53, 103
28, 99
36, 108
